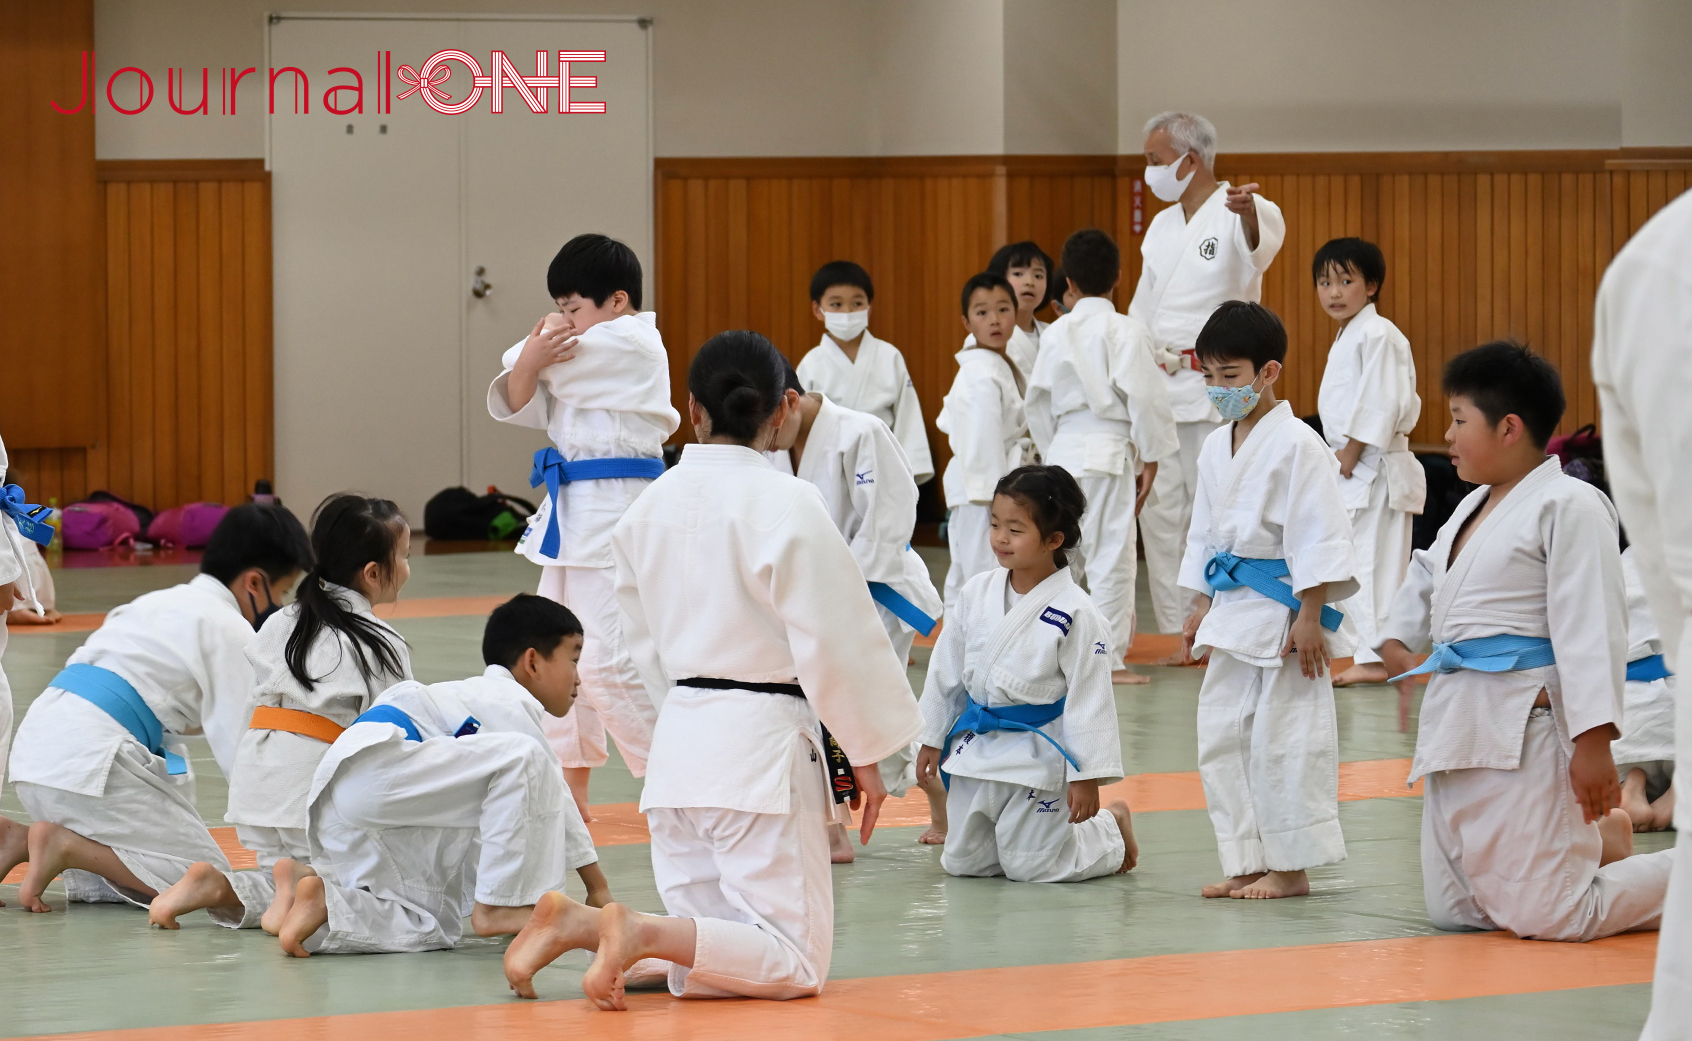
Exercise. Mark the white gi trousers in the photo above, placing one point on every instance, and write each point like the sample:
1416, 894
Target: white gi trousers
898, 771
967, 531
1381, 537
612, 695
1508, 849
1107, 554
998, 828
1163, 526
149, 821
1671, 989
408, 831
5, 705
757, 886
1269, 761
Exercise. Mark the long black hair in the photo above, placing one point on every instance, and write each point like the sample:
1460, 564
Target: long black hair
738, 378
347, 532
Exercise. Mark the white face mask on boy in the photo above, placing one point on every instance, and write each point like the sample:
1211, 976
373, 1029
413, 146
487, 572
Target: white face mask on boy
846, 325
1163, 182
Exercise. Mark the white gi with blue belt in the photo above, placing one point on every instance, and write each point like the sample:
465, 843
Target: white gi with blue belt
22, 527
1647, 726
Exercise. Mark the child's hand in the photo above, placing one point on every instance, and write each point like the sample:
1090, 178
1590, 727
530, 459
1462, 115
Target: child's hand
1144, 489
1398, 660
1083, 800
547, 345
1305, 637
7, 597
927, 764
1190, 628
1348, 457
1592, 773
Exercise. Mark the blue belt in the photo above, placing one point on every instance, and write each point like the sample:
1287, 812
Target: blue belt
31, 520
1028, 718
555, 471
1226, 571
1505, 652
1644, 670
901, 608
115, 696
390, 714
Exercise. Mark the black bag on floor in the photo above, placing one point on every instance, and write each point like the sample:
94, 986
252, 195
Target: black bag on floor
1445, 494
461, 514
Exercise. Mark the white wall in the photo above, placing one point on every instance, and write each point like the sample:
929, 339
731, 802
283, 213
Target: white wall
1060, 77
1657, 73
937, 82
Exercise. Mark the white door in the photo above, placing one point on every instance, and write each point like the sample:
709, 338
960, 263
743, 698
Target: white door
383, 352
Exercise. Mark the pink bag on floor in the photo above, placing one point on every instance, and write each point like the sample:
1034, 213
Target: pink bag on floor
96, 525
188, 527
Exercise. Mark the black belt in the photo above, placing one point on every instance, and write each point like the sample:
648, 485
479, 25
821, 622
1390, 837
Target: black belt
840, 776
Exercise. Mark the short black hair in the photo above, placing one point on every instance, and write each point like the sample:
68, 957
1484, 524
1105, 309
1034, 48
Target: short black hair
594, 266
263, 535
1024, 254
1053, 498
1243, 331
1359, 255
526, 621
1059, 281
1092, 261
986, 280
793, 382
840, 273
1505, 378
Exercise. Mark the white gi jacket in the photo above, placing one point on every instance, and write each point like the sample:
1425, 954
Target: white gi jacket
1277, 499
878, 383
727, 569
1647, 725
1190, 268
14, 555
611, 401
1369, 392
1096, 400
1545, 562
1051, 644
983, 420
867, 488
273, 768
1023, 348
183, 649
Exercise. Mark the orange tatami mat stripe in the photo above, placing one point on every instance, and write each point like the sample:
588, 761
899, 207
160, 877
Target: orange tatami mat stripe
933, 1006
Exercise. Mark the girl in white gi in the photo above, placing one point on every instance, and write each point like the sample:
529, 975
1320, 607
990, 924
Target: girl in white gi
596, 378
1644, 753
857, 370
1028, 270
982, 416
1368, 405
1097, 407
444, 801
98, 760
1268, 508
22, 527
867, 486
317, 664
749, 618
1523, 598
1213, 246
1017, 708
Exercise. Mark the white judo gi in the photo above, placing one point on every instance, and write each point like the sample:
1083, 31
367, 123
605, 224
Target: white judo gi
409, 835
1098, 407
1647, 724
1023, 348
1268, 739
866, 485
1504, 845
729, 570
1188, 268
1369, 393
611, 401
1642, 364
183, 650
15, 569
273, 768
876, 382
1009, 795
983, 420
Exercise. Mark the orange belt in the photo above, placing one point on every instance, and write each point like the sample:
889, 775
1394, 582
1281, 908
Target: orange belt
293, 721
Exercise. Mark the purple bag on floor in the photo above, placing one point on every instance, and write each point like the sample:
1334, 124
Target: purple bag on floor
189, 526
98, 524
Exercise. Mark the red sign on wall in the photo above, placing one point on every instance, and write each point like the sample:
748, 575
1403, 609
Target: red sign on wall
1139, 201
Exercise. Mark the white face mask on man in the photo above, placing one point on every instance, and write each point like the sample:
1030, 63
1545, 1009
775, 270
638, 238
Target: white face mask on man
1163, 182
846, 325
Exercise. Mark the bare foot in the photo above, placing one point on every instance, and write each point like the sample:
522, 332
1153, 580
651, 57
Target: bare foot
935, 834
1359, 674
1128, 678
619, 947
1274, 886
203, 886
497, 920
286, 873
48, 848
576, 777
1616, 833
932, 836
1175, 660
1226, 887
557, 924
839, 845
1125, 822
1634, 801
14, 847
1664, 809
309, 914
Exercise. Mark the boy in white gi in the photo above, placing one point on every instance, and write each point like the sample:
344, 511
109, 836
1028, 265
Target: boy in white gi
867, 486
98, 760
445, 801
1369, 405
596, 378
22, 527
1644, 753
1270, 548
857, 370
1017, 709
1523, 599
1098, 407
982, 417
1213, 246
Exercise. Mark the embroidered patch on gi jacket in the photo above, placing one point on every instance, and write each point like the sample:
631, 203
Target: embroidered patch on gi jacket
1052, 616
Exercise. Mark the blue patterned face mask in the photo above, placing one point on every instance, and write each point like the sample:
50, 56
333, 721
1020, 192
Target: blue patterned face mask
1235, 403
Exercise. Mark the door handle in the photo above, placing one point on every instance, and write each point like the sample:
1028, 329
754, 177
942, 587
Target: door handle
479, 286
